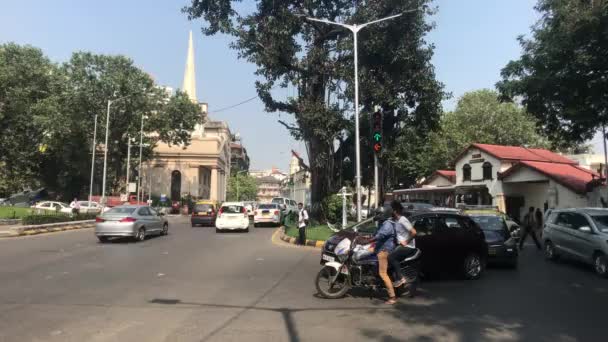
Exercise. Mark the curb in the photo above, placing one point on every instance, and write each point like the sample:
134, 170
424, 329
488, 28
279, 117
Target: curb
47, 228
292, 240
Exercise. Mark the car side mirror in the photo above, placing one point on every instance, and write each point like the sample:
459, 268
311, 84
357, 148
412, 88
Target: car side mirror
585, 229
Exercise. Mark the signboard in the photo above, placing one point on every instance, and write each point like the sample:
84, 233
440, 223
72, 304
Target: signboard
124, 197
475, 161
132, 187
163, 198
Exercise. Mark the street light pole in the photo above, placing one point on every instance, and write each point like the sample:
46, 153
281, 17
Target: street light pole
105, 156
355, 29
141, 141
93, 159
128, 163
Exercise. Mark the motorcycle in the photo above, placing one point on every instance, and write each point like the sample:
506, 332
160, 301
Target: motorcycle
350, 266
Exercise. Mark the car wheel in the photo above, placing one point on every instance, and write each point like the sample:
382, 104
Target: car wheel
255, 225
103, 239
141, 235
165, 230
600, 263
550, 252
217, 230
247, 230
472, 266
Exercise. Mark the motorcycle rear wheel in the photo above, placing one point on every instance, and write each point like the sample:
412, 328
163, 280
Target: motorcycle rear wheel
339, 288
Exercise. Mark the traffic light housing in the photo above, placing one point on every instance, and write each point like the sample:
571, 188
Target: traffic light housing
377, 132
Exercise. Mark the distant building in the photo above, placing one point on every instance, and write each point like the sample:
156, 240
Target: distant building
511, 178
239, 160
297, 185
593, 162
268, 188
274, 172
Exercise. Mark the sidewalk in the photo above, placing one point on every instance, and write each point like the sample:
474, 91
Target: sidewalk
20, 230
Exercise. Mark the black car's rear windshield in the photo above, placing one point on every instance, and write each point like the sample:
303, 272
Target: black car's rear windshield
128, 210
203, 207
232, 209
490, 222
601, 222
268, 206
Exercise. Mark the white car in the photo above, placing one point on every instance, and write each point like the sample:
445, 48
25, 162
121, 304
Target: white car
87, 207
269, 213
287, 205
232, 216
53, 206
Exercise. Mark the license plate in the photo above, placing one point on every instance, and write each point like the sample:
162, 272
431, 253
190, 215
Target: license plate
328, 258
265, 214
202, 214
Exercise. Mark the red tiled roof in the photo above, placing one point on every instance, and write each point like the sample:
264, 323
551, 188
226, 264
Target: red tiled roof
571, 176
522, 153
448, 174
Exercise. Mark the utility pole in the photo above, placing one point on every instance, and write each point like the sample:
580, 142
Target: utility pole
141, 145
128, 163
355, 29
93, 159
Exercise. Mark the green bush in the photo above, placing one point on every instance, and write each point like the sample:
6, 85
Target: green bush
332, 205
55, 218
14, 212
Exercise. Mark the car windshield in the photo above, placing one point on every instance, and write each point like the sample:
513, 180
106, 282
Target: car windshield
366, 227
601, 222
121, 210
203, 208
277, 200
417, 206
489, 222
232, 209
267, 206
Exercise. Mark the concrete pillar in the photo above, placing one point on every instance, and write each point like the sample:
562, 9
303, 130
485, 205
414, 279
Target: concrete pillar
214, 186
501, 203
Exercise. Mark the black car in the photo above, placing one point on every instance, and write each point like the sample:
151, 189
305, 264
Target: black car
448, 241
502, 246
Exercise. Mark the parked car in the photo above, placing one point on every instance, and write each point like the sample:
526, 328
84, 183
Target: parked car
502, 247
204, 213
136, 221
580, 234
416, 206
267, 214
52, 206
448, 241
288, 206
87, 207
232, 216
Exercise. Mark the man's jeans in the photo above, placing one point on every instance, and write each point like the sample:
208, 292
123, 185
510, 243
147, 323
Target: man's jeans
302, 235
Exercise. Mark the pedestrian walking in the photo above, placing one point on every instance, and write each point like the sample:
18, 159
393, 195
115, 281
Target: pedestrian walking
75, 206
302, 223
529, 228
539, 222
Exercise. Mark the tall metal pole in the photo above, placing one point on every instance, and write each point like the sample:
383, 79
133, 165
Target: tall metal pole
140, 173
376, 182
357, 142
605, 152
128, 163
237, 186
105, 157
93, 158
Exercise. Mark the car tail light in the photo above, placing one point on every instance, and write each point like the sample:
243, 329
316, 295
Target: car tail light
245, 212
276, 212
99, 219
128, 219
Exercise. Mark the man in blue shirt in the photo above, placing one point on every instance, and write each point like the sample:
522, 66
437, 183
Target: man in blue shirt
385, 243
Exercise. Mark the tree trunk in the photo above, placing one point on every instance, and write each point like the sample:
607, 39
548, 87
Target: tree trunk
319, 169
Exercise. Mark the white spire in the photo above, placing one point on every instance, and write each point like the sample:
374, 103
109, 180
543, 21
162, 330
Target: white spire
189, 85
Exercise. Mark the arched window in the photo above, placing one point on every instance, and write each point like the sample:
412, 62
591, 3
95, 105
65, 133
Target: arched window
176, 185
487, 171
466, 172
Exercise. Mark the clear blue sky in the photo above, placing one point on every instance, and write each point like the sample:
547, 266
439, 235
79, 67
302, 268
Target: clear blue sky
474, 39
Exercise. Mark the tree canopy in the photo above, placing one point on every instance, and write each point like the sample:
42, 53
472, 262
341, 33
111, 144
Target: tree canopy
51, 108
247, 188
479, 117
317, 59
561, 76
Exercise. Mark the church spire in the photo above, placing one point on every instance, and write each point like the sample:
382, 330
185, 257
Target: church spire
189, 85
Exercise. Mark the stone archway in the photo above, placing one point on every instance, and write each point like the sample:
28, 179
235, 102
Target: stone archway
176, 185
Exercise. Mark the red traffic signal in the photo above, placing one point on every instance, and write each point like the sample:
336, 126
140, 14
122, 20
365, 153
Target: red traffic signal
377, 147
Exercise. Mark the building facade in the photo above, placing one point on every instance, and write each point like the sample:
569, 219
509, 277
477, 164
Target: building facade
268, 188
200, 169
297, 186
239, 159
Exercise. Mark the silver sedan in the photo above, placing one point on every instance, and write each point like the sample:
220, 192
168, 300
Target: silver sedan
136, 221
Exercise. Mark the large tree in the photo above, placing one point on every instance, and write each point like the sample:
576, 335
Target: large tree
242, 188
317, 59
479, 117
562, 75
26, 79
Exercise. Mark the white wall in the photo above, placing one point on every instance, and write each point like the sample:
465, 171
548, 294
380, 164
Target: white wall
438, 181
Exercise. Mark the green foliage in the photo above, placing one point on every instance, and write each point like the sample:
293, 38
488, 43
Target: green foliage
319, 232
479, 117
54, 107
26, 79
247, 188
333, 208
561, 75
55, 218
317, 59
14, 212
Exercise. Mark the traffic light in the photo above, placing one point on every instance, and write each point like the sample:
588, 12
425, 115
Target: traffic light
377, 132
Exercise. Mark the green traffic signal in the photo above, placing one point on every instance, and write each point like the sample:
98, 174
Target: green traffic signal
377, 136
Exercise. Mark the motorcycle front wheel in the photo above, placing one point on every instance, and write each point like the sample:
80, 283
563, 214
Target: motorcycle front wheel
336, 290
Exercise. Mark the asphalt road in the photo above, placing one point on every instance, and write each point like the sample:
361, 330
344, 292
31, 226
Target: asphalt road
196, 285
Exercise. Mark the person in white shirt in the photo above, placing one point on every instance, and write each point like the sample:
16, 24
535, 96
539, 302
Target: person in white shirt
302, 223
75, 206
406, 247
